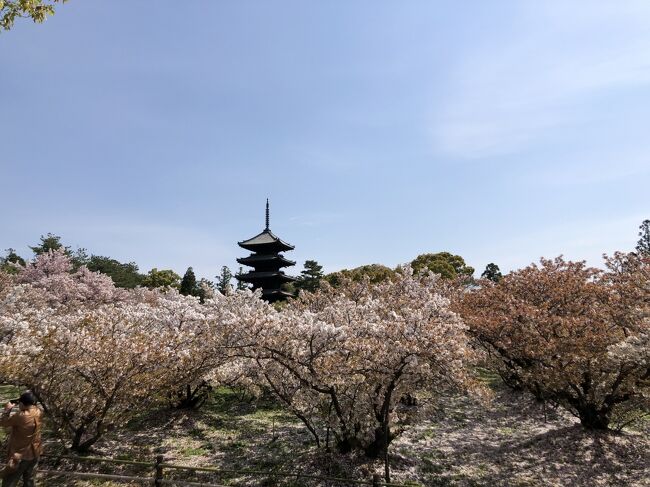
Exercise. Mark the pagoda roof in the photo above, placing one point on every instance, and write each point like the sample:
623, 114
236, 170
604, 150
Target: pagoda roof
276, 294
265, 240
255, 259
265, 275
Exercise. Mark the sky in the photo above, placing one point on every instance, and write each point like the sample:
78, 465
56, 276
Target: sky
501, 131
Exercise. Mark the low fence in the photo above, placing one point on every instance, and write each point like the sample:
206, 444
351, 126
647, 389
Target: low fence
159, 468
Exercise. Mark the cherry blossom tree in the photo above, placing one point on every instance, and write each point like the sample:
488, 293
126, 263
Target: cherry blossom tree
92, 370
53, 273
97, 355
629, 277
342, 358
5, 281
568, 333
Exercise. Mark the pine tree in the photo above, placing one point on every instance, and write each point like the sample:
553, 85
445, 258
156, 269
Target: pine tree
241, 285
643, 245
223, 280
8, 262
188, 284
310, 277
49, 242
492, 272
125, 275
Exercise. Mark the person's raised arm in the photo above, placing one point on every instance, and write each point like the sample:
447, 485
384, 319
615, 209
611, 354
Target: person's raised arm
6, 419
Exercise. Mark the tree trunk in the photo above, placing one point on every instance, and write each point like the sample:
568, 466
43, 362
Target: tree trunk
83, 446
189, 398
347, 444
76, 439
378, 446
593, 418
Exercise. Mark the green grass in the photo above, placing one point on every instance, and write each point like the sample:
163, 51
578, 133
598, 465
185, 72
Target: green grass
194, 452
507, 430
8, 391
489, 378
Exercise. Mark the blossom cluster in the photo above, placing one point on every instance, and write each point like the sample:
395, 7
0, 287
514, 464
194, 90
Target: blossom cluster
94, 354
343, 360
359, 354
349, 361
570, 334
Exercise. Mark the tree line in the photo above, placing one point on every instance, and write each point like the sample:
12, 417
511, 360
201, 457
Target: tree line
356, 361
128, 276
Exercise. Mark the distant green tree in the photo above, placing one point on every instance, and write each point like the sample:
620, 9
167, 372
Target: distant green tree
50, 242
53, 242
189, 287
492, 272
288, 287
79, 257
374, 272
241, 285
123, 275
9, 261
37, 10
223, 280
643, 245
449, 266
310, 277
162, 278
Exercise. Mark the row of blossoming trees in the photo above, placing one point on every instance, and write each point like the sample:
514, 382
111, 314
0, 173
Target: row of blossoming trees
347, 361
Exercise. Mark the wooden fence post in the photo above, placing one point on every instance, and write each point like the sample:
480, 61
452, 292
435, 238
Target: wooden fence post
159, 471
376, 479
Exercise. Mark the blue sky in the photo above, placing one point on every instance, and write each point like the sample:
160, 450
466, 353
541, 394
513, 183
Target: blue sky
502, 131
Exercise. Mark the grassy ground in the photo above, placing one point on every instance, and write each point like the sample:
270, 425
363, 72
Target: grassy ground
514, 442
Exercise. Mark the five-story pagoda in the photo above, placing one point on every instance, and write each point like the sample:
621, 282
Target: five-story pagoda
266, 262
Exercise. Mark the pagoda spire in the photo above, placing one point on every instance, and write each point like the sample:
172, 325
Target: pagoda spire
267, 261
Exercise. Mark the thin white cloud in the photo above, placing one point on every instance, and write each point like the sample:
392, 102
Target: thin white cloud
511, 92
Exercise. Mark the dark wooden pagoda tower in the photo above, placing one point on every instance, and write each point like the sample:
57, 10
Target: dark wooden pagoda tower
266, 262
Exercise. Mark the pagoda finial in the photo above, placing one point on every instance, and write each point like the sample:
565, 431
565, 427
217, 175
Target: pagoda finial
267, 213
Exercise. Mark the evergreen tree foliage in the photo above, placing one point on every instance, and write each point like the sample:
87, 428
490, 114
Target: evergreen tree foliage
49, 242
310, 277
241, 285
449, 266
643, 245
492, 272
7, 262
80, 257
52, 242
223, 280
189, 286
161, 278
123, 275
376, 273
